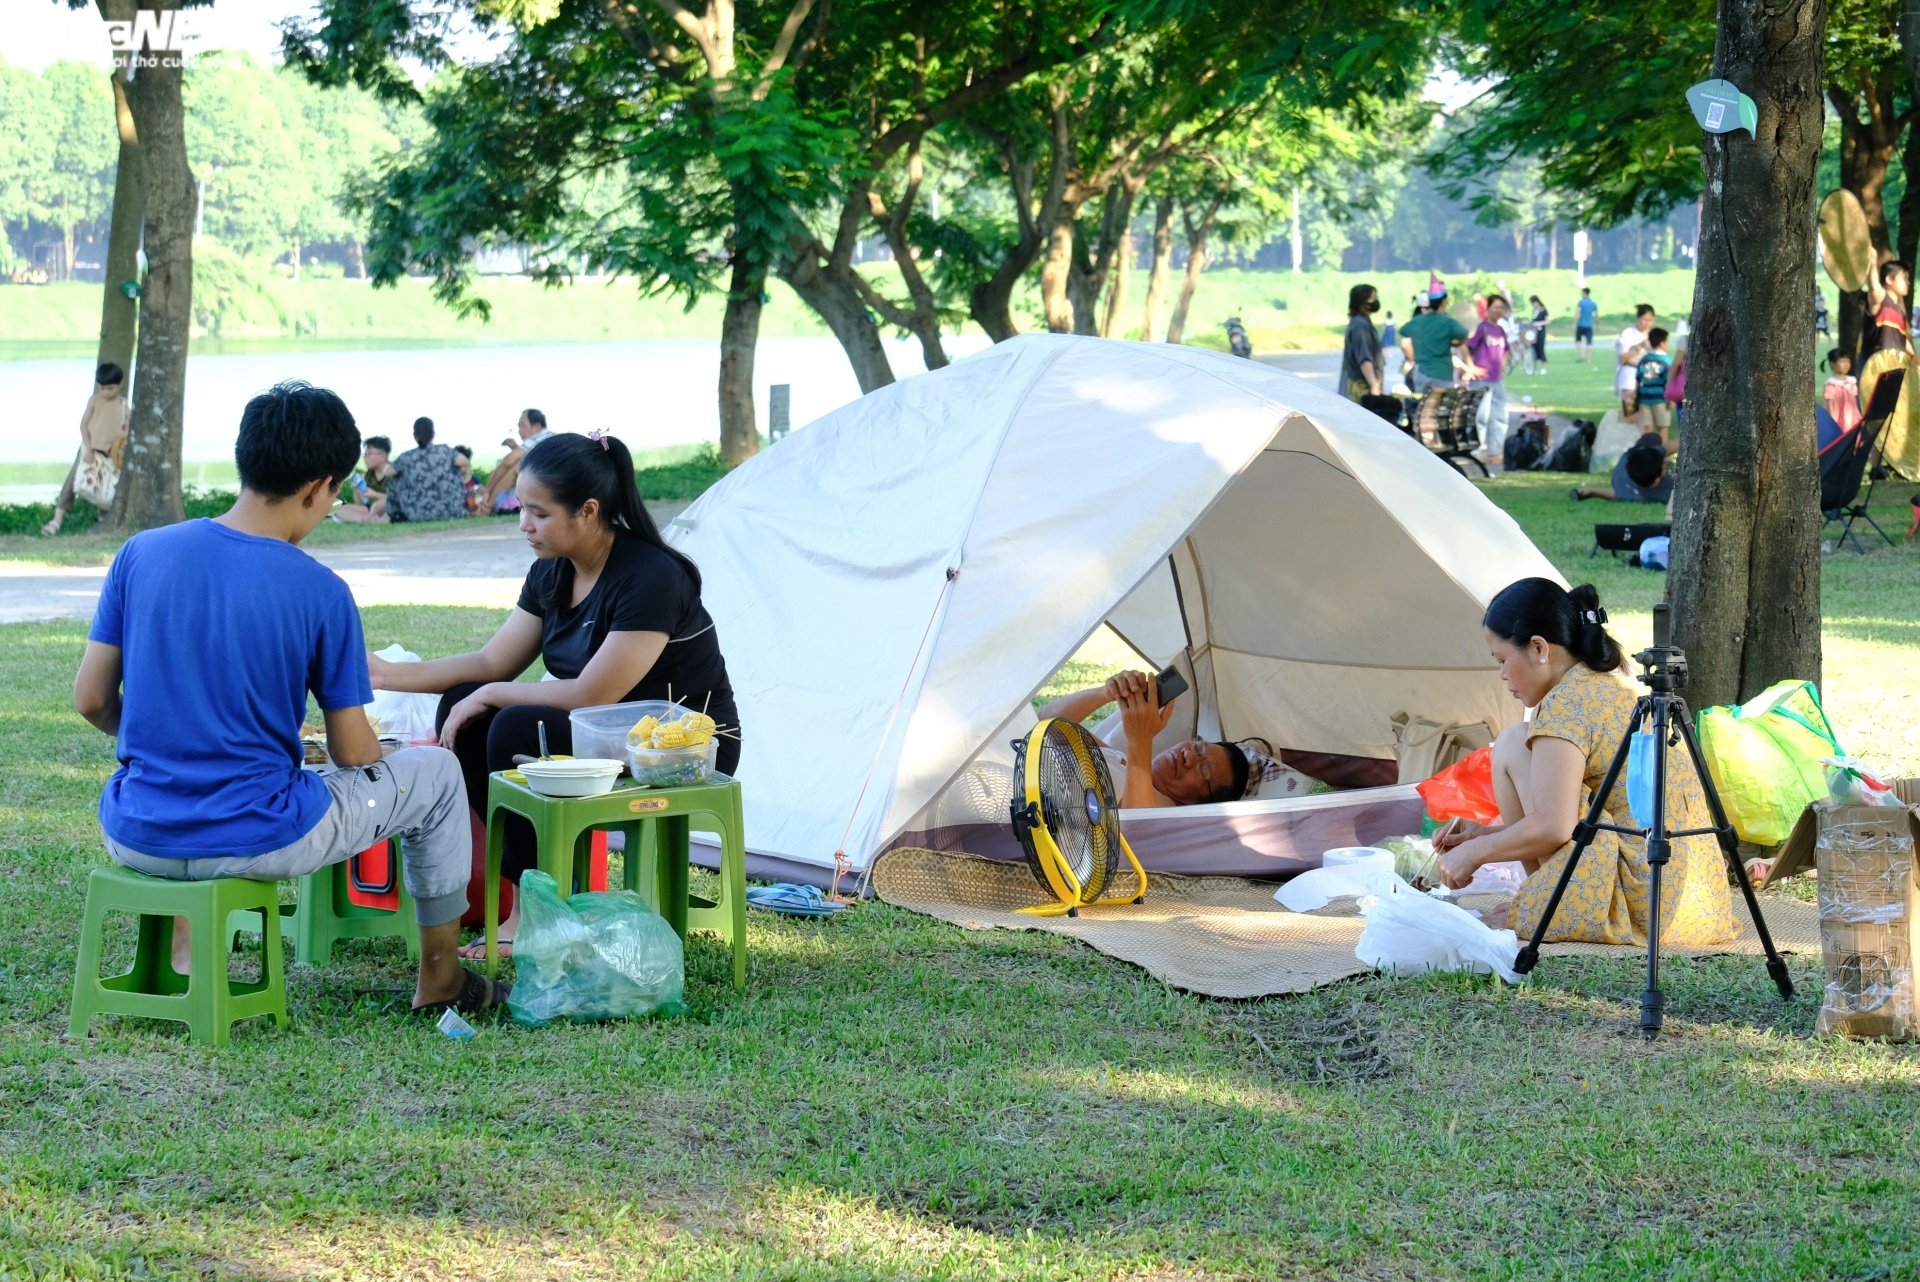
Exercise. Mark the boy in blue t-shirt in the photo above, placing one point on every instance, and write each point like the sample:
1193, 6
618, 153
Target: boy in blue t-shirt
207, 639
1583, 313
1650, 377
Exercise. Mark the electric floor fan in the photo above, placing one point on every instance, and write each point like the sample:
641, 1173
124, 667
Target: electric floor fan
1065, 816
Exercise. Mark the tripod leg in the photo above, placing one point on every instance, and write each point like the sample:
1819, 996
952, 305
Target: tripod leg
1653, 1002
1583, 834
1730, 847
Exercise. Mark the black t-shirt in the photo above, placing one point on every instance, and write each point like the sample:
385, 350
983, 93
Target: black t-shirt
641, 589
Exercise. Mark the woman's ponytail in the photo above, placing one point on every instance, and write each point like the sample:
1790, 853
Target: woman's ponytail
1592, 644
1572, 620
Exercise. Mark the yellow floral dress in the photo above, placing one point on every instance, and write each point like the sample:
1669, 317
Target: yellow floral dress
1607, 901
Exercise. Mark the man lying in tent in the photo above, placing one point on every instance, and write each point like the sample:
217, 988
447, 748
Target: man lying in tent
1195, 771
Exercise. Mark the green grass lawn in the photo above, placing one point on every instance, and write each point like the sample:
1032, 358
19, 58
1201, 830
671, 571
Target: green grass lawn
896, 1098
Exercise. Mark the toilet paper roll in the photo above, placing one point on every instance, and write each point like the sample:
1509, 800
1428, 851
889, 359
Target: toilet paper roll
1344, 872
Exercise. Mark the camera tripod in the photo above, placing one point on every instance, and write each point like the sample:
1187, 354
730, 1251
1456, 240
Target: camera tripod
1664, 672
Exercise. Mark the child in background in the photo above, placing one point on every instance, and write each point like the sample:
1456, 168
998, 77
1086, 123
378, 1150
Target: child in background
1651, 381
1842, 392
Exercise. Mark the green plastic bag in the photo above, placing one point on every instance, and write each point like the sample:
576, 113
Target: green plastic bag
599, 955
1764, 756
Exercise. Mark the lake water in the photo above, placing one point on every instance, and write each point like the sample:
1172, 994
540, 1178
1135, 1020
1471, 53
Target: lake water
652, 393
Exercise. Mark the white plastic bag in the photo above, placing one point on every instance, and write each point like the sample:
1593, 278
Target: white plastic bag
410, 716
1408, 933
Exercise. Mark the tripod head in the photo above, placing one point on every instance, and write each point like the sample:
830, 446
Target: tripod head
1663, 665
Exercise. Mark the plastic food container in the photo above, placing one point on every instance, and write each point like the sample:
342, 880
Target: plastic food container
572, 777
673, 767
602, 731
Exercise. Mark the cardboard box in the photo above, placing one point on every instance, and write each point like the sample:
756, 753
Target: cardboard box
1797, 855
1869, 910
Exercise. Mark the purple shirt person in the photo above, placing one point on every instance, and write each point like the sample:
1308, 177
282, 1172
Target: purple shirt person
1487, 346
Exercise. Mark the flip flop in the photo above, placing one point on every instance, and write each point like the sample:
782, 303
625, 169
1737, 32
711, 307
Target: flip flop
790, 900
479, 947
477, 995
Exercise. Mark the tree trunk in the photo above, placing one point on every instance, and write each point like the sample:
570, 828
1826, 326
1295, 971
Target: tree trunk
1196, 263
1746, 572
296, 259
1866, 153
1909, 241
1910, 161
1553, 248
836, 300
1117, 291
739, 332
1162, 265
149, 493
117, 311
1054, 272
1850, 320
357, 259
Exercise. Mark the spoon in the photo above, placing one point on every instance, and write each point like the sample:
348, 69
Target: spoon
543, 738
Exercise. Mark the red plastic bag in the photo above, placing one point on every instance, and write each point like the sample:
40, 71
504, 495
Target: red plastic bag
1464, 790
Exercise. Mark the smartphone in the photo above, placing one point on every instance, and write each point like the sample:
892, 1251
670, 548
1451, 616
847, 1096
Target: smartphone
1170, 684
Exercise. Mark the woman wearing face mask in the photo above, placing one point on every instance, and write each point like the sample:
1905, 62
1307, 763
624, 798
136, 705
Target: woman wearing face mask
1556, 658
1360, 371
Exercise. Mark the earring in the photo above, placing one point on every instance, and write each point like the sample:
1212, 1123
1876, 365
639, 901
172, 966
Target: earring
1541, 660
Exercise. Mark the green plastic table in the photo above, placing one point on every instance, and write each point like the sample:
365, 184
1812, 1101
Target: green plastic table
657, 823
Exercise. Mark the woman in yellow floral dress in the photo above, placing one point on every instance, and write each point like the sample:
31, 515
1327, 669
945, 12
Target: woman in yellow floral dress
1556, 657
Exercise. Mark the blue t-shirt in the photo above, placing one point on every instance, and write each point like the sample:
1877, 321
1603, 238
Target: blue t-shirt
221, 636
1584, 312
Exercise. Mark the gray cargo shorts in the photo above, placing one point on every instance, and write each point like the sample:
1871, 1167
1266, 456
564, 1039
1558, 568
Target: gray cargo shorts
417, 795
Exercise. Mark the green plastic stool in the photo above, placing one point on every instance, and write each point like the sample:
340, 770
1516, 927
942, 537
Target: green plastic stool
657, 823
207, 1000
323, 915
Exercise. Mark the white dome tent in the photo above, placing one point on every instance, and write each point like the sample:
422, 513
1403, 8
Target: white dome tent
893, 584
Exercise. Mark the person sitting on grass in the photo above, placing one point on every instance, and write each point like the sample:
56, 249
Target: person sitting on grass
1556, 657
207, 639
609, 608
1640, 475
369, 503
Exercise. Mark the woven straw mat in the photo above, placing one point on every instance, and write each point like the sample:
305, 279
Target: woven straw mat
1221, 936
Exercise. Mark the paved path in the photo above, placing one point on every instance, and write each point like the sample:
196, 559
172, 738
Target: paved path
481, 566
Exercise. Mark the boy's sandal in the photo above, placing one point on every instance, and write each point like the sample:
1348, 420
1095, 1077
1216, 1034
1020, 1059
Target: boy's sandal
477, 995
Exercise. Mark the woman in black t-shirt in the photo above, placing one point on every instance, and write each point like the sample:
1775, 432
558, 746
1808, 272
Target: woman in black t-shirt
612, 611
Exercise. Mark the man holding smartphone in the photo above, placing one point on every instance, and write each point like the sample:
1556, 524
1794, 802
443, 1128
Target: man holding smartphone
1190, 773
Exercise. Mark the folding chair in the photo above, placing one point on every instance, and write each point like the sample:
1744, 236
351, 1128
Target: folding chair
1843, 466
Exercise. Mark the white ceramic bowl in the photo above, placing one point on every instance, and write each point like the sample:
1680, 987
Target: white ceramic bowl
578, 777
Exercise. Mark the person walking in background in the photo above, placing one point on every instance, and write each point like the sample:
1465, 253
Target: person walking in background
1360, 369
1820, 321
1389, 334
1539, 323
1583, 313
103, 430
1490, 352
1628, 348
426, 485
